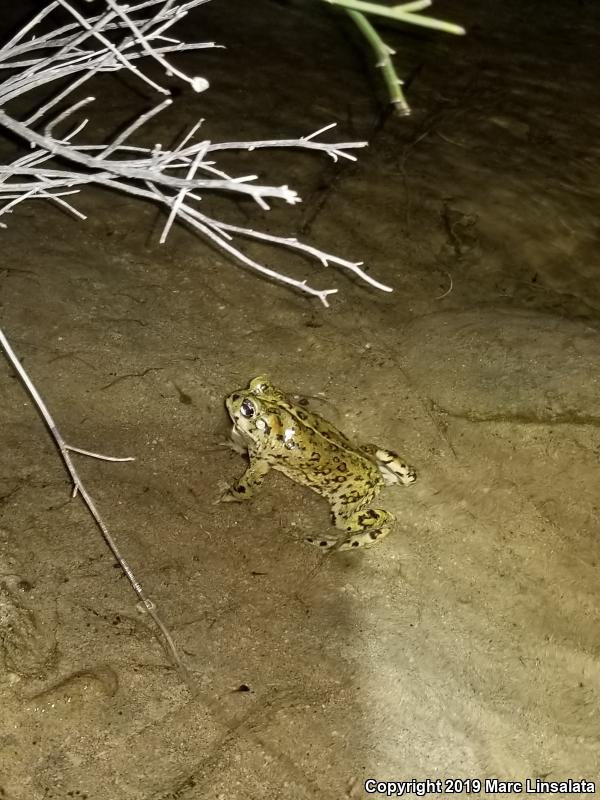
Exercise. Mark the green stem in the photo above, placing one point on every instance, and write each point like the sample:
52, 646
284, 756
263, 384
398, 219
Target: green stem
384, 62
399, 14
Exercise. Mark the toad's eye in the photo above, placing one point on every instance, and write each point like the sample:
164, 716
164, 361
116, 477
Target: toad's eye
247, 408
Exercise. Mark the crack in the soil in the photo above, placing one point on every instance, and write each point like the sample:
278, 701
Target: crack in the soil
566, 418
146, 371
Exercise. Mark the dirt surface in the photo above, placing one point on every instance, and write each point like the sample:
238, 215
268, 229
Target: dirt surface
464, 645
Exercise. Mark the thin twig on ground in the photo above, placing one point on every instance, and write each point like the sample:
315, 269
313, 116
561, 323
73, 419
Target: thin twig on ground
145, 605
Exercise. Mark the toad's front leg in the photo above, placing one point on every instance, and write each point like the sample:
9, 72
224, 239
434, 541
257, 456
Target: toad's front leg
251, 480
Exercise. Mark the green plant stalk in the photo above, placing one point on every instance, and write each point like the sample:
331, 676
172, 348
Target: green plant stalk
384, 62
415, 5
399, 14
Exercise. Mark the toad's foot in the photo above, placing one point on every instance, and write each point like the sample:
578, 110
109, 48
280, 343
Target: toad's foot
225, 495
248, 483
363, 539
363, 529
393, 467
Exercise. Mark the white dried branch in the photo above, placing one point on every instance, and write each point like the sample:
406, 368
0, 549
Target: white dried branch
153, 165
126, 174
113, 40
65, 114
97, 455
70, 58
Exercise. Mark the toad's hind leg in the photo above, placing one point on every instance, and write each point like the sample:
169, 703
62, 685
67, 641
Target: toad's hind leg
362, 529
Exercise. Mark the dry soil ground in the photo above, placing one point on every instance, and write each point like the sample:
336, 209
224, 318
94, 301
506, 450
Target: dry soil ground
466, 644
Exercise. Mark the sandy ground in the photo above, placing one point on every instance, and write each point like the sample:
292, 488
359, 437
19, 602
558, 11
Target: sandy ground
464, 645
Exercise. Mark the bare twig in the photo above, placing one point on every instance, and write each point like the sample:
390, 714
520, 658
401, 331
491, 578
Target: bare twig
146, 604
448, 290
